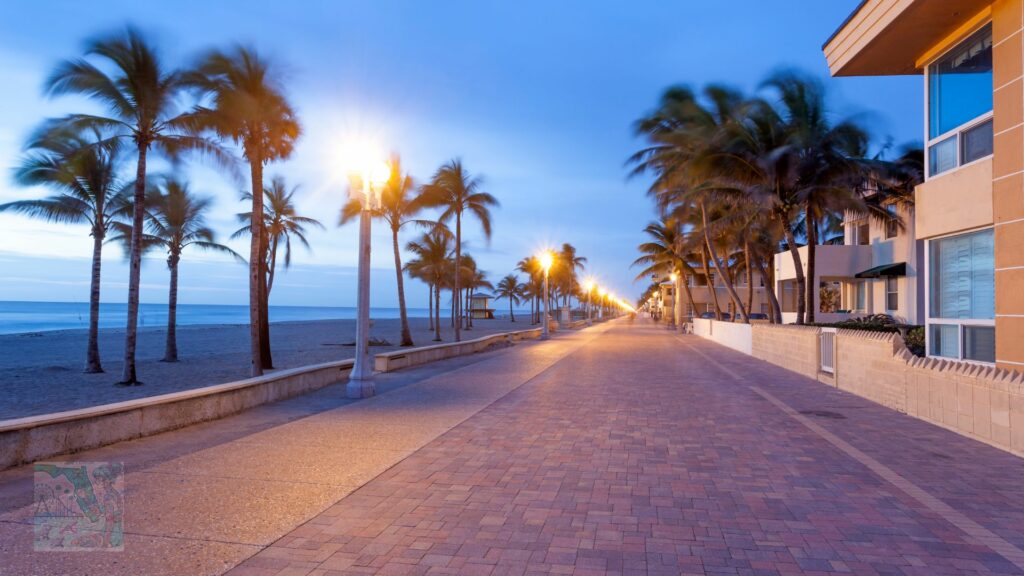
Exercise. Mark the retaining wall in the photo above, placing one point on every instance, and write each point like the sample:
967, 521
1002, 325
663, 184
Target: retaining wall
34, 438
399, 359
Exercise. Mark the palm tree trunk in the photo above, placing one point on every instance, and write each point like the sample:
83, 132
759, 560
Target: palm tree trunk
812, 283
255, 270
750, 275
171, 349
468, 313
801, 294
510, 312
689, 294
92, 354
430, 306
437, 311
458, 272
128, 375
265, 358
710, 281
773, 300
718, 265
273, 266
403, 314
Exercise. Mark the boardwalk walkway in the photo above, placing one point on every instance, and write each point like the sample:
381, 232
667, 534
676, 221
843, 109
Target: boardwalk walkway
622, 449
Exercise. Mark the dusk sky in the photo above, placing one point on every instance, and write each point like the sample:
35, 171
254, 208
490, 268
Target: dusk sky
537, 97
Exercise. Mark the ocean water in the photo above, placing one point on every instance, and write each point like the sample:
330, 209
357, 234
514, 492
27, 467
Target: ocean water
19, 317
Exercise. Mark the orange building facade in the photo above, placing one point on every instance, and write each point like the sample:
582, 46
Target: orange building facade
970, 209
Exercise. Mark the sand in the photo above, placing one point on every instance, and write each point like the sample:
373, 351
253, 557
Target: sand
41, 372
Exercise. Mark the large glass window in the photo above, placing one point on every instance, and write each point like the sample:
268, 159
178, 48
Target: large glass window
960, 84
962, 276
960, 92
892, 293
861, 295
961, 293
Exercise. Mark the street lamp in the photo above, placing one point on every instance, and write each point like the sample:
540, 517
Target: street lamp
589, 288
547, 258
360, 379
677, 316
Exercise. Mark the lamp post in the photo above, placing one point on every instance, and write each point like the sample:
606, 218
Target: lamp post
360, 379
546, 260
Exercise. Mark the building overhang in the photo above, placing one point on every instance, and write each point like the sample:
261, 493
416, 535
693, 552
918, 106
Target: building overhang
892, 37
885, 270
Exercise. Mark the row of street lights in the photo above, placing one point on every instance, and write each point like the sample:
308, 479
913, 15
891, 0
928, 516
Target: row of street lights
360, 381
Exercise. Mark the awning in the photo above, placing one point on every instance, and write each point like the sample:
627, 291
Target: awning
895, 269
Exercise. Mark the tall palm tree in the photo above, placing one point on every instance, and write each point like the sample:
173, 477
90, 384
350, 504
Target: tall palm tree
141, 97
456, 191
663, 253
829, 158
282, 222
570, 262
399, 205
535, 274
509, 289
250, 108
431, 263
175, 220
88, 191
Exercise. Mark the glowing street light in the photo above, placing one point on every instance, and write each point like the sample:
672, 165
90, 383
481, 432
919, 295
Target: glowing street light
547, 259
373, 175
677, 313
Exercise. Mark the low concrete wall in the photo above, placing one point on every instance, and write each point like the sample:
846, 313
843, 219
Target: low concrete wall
734, 335
981, 402
399, 359
34, 438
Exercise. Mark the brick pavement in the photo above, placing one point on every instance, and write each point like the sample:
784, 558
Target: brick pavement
640, 454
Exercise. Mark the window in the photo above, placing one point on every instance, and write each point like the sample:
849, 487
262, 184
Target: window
863, 234
861, 295
764, 307
961, 295
892, 293
959, 93
892, 225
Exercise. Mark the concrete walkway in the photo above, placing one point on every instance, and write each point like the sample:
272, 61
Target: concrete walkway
618, 449
202, 499
647, 453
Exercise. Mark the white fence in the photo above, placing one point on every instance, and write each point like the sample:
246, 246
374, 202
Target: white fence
733, 335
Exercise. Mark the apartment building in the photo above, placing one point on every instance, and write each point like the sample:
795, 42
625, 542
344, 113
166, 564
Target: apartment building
704, 290
970, 210
874, 271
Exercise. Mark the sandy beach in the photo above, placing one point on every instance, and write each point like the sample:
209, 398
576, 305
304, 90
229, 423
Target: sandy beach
41, 372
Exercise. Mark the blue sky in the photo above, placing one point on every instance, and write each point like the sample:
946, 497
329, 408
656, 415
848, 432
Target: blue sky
537, 97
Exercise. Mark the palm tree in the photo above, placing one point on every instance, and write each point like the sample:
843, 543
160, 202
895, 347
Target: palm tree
535, 273
829, 164
398, 206
89, 191
432, 264
569, 263
456, 191
663, 253
176, 219
282, 222
141, 96
249, 107
509, 289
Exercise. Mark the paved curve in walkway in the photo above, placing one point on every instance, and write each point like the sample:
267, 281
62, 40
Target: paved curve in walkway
647, 453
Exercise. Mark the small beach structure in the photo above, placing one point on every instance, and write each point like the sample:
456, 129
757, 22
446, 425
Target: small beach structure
479, 306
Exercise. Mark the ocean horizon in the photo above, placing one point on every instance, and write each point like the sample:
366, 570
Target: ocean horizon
17, 317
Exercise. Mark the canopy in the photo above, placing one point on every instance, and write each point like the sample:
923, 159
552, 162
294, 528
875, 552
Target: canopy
894, 269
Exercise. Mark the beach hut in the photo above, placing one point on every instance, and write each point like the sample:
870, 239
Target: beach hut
479, 306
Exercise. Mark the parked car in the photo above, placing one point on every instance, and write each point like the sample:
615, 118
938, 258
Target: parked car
711, 316
758, 316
